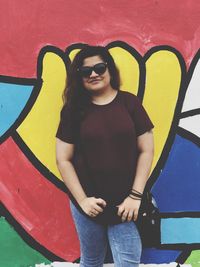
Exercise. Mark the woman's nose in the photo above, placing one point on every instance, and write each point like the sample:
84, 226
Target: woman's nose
93, 74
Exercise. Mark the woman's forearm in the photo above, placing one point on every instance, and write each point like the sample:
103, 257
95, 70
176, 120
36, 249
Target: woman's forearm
71, 180
143, 168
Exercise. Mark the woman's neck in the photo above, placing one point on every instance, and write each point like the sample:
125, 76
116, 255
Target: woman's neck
104, 97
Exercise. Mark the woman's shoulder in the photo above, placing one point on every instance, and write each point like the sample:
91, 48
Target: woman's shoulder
65, 111
130, 98
128, 94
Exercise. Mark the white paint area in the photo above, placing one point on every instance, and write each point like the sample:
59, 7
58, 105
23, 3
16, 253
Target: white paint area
191, 124
66, 264
192, 97
191, 102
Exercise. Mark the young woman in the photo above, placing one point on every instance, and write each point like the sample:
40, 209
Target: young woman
104, 152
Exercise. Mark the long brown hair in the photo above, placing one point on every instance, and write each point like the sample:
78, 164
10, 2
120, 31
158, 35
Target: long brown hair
75, 96
74, 90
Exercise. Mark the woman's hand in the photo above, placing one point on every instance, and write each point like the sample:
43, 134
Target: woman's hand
128, 209
92, 206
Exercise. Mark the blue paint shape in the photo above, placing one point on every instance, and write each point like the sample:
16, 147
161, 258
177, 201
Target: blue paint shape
13, 98
158, 256
180, 230
151, 255
177, 188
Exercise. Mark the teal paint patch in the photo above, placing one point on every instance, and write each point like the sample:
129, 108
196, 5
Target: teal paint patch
13, 98
180, 230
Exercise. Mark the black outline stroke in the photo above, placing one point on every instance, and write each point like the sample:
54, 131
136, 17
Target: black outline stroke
37, 83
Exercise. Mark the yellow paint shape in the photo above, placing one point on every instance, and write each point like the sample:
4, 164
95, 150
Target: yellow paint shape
163, 78
39, 127
128, 67
73, 53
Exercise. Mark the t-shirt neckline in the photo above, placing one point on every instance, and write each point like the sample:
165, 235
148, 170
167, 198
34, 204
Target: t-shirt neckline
107, 104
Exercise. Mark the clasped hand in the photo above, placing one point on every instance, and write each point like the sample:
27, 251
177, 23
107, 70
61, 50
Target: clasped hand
92, 206
127, 210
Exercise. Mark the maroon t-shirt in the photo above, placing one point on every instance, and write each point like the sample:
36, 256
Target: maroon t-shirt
105, 162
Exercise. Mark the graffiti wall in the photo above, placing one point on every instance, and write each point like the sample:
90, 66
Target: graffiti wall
155, 45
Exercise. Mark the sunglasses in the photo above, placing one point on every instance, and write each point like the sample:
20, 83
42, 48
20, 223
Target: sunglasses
98, 68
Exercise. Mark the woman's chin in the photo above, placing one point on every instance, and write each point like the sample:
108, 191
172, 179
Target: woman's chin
95, 89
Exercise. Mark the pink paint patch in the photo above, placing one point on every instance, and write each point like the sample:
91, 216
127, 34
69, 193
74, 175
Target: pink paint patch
29, 26
41, 208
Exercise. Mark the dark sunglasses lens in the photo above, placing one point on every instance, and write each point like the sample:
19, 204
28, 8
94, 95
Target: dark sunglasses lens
85, 71
100, 68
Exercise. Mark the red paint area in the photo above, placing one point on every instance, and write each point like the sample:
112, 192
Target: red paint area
28, 26
41, 208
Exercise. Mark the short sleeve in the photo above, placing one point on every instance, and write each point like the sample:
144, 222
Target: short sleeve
141, 119
65, 130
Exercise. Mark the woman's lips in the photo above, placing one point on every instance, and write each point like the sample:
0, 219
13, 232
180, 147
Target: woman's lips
94, 81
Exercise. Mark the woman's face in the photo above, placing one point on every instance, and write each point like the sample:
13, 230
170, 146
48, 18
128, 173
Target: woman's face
96, 82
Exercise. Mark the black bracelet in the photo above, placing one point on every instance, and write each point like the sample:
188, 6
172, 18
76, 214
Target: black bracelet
135, 194
134, 198
136, 191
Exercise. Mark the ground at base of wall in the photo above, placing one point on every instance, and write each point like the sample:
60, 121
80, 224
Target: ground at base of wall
65, 264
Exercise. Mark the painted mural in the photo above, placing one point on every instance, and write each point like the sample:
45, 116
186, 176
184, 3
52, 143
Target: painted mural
158, 60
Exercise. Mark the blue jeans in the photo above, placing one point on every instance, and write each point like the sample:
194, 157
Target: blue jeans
123, 238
